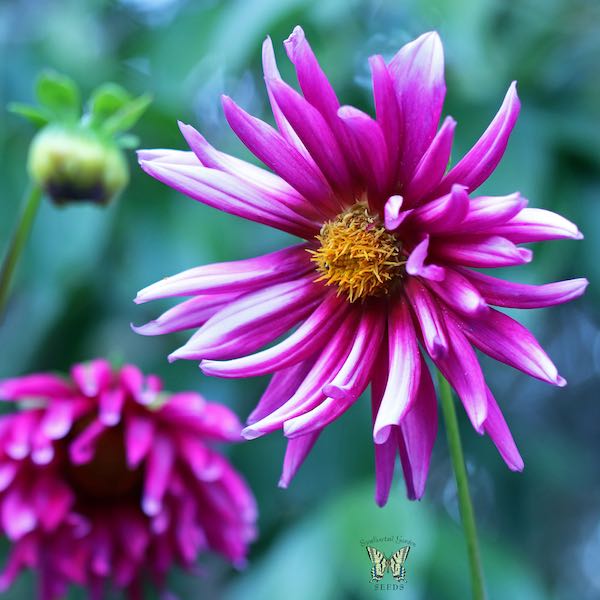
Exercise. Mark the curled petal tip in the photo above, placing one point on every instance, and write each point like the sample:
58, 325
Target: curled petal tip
526, 254
335, 391
283, 483
381, 501
380, 436
561, 381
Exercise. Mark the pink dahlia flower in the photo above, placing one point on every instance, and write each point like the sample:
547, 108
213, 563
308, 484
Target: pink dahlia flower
385, 274
104, 478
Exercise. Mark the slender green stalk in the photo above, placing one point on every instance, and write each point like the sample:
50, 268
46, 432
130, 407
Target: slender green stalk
17, 243
467, 514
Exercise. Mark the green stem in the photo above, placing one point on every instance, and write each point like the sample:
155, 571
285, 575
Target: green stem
17, 243
467, 514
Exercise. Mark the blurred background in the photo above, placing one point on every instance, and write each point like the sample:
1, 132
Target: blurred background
72, 300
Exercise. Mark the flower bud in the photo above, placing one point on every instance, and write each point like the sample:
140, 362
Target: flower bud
74, 164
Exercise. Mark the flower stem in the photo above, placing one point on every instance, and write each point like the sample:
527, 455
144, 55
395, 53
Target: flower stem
467, 514
17, 243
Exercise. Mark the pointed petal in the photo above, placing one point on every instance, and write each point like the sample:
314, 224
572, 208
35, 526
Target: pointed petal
537, 225
459, 293
316, 134
387, 110
404, 372
371, 152
507, 341
311, 336
479, 163
486, 212
278, 154
269, 185
429, 317
495, 426
252, 321
234, 276
432, 166
461, 368
229, 193
443, 214
189, 314
521, 295
417, 434
418, 73
481, 251
296, 452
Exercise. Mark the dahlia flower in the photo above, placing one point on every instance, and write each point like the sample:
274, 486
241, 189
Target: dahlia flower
386, 273
105, 479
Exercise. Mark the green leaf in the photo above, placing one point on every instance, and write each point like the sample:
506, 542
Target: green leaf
127, 116
128, 141
38, 116
105, 101
60, 94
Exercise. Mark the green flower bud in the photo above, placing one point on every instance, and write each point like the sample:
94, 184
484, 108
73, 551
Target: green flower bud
77, 155
74, 164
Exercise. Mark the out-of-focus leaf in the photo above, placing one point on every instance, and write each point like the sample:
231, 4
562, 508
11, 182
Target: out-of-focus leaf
39, 116
60, 94
129, 141
127, 116
106, 100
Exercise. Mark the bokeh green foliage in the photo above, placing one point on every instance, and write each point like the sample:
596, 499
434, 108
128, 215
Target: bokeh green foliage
540, 529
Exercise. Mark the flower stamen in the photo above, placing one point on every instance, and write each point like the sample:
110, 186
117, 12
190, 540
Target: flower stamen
357, 254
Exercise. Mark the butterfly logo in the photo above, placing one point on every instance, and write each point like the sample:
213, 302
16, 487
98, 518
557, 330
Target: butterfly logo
394, 564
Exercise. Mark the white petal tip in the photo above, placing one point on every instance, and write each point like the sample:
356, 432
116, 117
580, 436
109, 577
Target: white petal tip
560, 381
251, 433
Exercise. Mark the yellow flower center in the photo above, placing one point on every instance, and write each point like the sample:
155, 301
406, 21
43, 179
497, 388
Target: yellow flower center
357, 254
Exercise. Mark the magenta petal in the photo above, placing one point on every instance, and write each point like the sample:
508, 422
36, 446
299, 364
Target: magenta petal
393, 214
305, 341
537, 225
387, 109
190, 314
486, 212
385, 453
371, 151
83, 447
443, 214
35, 385
348, 384
92, 377
404, 372
309, 393
418, 73
459, 293
461, 368
417, 434
111, 403
160, 461
415, 265
479, 163
139, 436
316, 134
432, 166
277, 153
272, 187
281, 387
315, 86
482, 251
17, 514
495, 426
507, 341
521, 295
232, 277
296, 452
229, 193
271, 73
429, 317
252, 321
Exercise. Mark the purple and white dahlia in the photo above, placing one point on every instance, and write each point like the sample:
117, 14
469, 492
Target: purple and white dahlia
105, 479
385, 273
